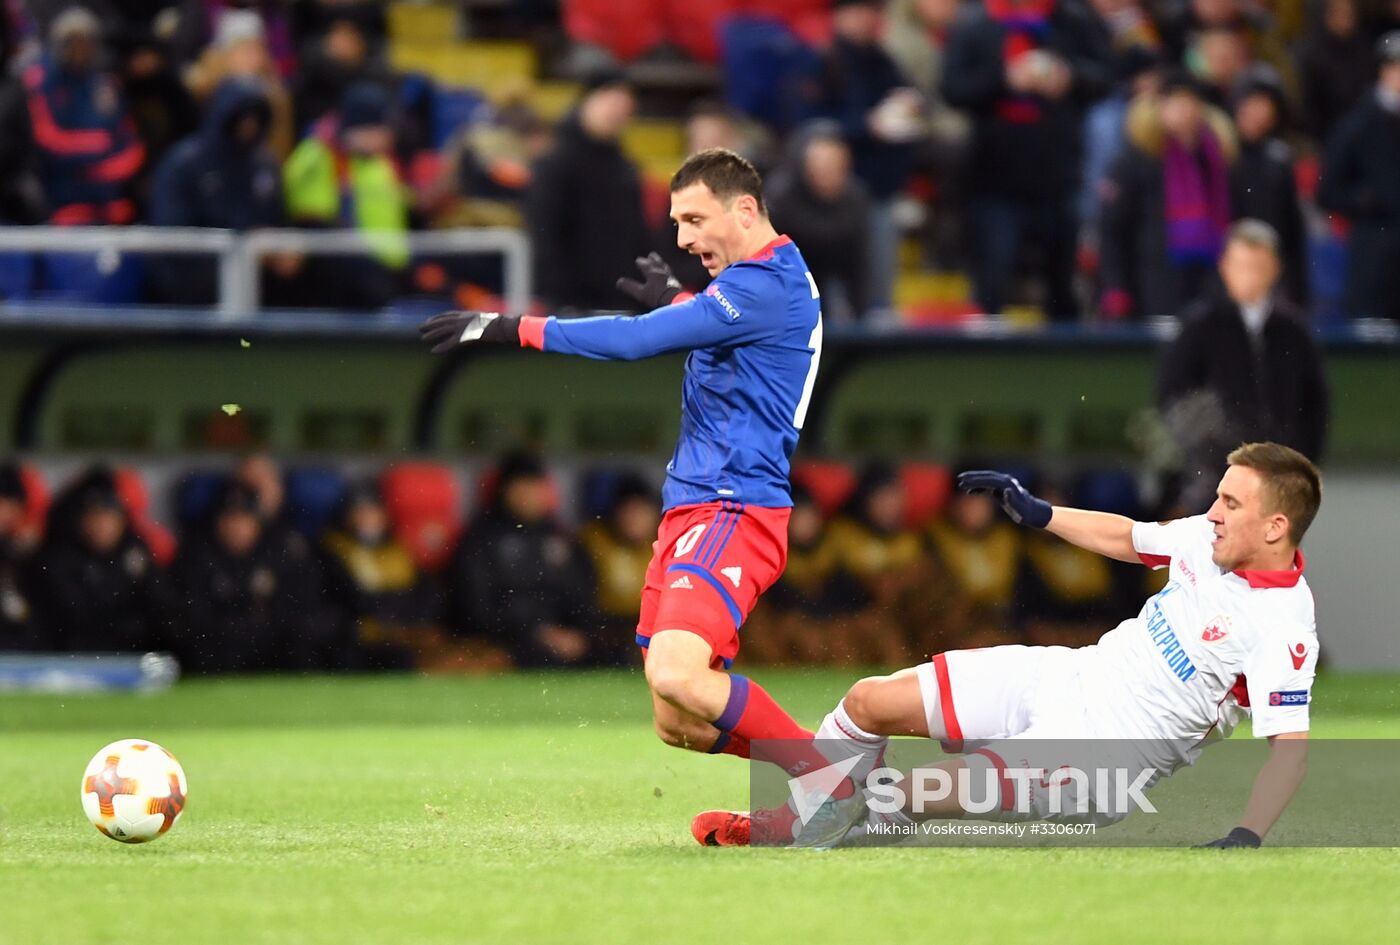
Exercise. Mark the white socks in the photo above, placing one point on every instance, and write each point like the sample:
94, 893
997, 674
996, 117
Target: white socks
839, 738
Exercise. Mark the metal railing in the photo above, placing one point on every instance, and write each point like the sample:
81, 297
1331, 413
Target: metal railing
239, 255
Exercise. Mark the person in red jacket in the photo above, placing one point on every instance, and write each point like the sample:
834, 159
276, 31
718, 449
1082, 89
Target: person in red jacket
84, 141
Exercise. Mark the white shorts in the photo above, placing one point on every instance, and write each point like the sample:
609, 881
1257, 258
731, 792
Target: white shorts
1020, 707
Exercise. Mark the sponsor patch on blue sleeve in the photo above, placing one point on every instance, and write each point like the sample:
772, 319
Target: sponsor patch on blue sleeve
1298, 697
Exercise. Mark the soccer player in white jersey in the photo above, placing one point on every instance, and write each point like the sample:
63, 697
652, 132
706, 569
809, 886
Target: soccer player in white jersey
1231, 634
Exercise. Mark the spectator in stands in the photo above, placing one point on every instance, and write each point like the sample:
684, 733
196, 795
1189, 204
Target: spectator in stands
519, 581
261, 473
237, 611
799, 615
95, 583
388, 609
880, 574
1336, 66
223, 176
1065, 595
1223, 54
486, 170
584, 206
85, 145
1263, 180
815, 199
343, 175
329, 66
1166, 205
19, 625
917, 40
201, 27
240, 50
1026, 70
880, 117
1360, 181
1184, 22
620, 547
317, 18
981, 552
1137, 72
1244, 368
160, 106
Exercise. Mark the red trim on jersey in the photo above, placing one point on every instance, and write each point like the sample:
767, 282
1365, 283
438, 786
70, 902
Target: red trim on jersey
1289, 578
1155, 561
954, 742
682, 297
1240, 690
766, 252
532, 331
1008, 787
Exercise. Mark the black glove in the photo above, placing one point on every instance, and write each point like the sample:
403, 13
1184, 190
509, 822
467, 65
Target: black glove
658, 287
450, 329
1238, 838
1020, 505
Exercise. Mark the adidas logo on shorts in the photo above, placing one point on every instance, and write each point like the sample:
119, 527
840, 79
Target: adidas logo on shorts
682, 582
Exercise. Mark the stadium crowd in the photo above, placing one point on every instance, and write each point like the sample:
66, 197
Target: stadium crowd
1086, 156
275, 571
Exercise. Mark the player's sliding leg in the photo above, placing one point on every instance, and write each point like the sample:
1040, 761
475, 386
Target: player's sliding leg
908, 702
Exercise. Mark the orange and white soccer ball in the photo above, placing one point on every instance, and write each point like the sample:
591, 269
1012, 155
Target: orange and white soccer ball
134, 790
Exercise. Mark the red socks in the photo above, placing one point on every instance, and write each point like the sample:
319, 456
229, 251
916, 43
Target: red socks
751, 715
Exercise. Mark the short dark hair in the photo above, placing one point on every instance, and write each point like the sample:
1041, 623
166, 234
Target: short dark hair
1291, 481
728, 175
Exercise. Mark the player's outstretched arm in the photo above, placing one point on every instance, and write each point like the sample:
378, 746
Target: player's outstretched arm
1100, 532
1274, 787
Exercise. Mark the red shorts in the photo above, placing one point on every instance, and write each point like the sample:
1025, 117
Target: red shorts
708, 567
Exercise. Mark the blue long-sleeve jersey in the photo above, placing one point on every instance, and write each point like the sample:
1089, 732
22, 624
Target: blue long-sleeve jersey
755, 340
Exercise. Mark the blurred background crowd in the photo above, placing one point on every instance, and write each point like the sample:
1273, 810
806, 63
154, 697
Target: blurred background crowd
312, 569
1226, 169
935, 159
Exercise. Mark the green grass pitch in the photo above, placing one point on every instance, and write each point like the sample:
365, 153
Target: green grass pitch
540, 808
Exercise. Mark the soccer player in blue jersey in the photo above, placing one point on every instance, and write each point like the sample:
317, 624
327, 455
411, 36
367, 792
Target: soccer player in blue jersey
755, 340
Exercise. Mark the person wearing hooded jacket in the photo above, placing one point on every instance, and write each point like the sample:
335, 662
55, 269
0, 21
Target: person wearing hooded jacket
221, 176
518, 580
94, 581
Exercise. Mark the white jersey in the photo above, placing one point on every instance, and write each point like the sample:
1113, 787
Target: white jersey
1209, 649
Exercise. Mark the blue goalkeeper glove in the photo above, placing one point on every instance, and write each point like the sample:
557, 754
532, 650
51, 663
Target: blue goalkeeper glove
1239, 838
450, 329
1022, 507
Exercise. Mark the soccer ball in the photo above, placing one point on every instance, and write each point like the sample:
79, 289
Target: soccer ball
133, 790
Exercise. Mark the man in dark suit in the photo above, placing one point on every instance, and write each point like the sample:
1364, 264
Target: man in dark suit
1244, 367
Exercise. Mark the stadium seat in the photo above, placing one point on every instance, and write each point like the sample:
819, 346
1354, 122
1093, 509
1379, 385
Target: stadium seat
765, 67
136, 499
926, 490
423, 502
695, 27
91, 279
194, 493
16, 276
830, 482
312, 495
809, 20
36, 500
1107, 490
626, 28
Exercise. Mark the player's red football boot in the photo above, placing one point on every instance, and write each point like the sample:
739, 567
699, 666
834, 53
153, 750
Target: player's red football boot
721, 828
